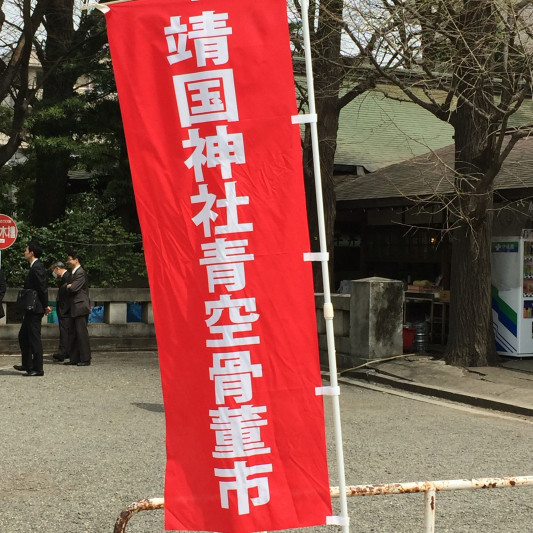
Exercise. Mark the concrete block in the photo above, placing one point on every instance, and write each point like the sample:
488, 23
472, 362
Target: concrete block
115, 312
376, 318
341, 323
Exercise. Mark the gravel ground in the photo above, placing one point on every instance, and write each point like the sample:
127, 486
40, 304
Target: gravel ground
80, 444
391, 439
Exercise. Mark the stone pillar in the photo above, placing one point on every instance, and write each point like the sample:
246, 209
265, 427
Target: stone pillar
376, 317
116, 312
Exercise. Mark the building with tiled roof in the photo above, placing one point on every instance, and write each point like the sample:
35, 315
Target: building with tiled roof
390, 221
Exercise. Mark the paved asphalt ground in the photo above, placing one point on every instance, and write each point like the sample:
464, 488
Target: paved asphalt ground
80, 444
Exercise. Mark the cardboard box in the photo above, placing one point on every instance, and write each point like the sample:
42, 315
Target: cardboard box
419, 288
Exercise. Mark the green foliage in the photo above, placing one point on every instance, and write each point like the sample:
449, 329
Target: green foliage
111, 255
79, 125
6, 118
88, 126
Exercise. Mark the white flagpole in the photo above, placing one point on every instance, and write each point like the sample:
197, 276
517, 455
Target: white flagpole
328, 307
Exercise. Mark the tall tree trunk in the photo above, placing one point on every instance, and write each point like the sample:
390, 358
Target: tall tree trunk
327, 132
328, 76
53, 158
471, 338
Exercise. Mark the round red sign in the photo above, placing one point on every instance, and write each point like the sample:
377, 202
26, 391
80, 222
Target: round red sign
8, 232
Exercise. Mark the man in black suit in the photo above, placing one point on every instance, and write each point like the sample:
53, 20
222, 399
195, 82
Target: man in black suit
63, 310
30, 331
80, 307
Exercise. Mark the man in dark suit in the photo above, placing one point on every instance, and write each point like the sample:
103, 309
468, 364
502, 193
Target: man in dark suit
63, 310
30, 331
80, 307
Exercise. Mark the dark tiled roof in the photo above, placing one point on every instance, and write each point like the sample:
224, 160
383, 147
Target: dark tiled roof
431, 174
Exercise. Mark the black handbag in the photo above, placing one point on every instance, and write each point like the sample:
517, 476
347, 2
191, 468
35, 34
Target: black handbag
27, 299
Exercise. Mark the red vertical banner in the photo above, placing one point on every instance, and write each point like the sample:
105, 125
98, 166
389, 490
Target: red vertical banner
207, 95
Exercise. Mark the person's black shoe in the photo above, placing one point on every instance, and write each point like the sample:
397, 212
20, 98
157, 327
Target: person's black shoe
20, 368
84, 363
70, 363
35, 373
57, 357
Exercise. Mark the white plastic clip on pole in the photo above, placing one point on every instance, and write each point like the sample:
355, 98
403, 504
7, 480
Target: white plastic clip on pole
327, 391
316, 256
325, 271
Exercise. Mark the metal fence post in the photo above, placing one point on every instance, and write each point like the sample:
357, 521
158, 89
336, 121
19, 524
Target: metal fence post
429, 511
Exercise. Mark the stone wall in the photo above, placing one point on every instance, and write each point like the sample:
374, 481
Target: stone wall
114, 333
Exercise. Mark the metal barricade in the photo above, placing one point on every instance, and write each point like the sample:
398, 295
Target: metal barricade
429, 488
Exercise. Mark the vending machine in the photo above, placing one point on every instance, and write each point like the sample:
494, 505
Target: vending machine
512, 294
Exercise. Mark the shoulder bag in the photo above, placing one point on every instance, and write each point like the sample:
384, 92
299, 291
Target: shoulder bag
27, 299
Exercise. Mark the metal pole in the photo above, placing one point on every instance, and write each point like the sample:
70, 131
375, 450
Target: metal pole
328, 307
429, 511
442, 485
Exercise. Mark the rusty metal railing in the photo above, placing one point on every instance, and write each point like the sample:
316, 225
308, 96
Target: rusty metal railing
147, 504
429, 488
